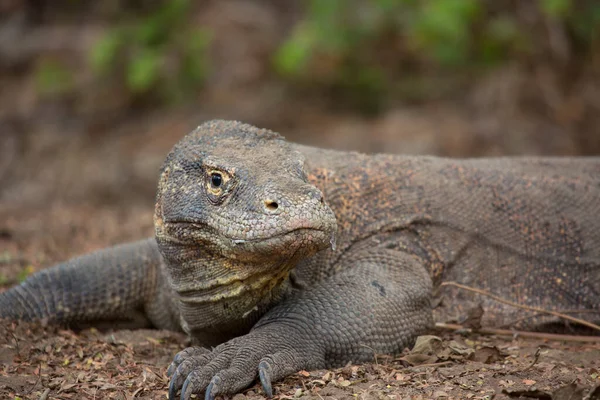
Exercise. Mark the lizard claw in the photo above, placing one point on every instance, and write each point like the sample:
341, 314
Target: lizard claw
196, 382
176, 380
265, 374
212, 389
171, 369
184, 389
185, 362
234, 365
172, 389
183, 355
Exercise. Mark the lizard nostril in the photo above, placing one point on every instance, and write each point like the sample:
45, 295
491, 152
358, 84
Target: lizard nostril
271, 205
317, 195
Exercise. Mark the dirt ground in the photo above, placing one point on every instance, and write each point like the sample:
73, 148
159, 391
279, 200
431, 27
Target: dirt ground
78, 173
64, 194
51, 363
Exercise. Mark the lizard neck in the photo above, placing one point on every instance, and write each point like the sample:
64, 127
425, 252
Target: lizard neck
220, 297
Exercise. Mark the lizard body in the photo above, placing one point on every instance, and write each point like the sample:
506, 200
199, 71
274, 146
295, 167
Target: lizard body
287, 257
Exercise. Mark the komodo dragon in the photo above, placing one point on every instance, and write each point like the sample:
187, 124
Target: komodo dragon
288, 257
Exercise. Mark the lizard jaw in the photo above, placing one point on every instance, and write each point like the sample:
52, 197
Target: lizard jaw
306, 238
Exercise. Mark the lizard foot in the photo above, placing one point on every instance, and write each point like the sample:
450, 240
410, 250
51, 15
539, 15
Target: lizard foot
233, 366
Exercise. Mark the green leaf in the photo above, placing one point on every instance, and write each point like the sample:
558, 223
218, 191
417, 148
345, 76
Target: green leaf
104, 53
53, 78
501, 36
144, 70
294, 54
442, 29
556, 8
388, 5
195, 64
157, 28
150, 31
586, 24
330, 23
25, 272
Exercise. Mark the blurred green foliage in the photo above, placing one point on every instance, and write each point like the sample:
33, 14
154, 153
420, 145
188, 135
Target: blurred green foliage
365, 51
159, 53
52, 78
372, 47
25, 273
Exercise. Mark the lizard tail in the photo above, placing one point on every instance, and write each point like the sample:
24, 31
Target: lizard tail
110, 284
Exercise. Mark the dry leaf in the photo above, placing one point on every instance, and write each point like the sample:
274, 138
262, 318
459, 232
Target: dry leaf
419, 359
427, 344
401, 377
461, 349
487, 355
473, 318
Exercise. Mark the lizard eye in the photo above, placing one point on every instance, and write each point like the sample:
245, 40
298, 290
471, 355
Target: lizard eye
217, 183
216, 179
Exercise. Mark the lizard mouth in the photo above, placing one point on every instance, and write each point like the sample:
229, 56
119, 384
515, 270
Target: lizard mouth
186, 231
292, 232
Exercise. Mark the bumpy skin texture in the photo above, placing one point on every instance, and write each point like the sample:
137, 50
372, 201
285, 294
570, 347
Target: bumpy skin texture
289, 257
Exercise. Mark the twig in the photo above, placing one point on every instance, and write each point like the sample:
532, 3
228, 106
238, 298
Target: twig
44, 395
438, 364
522, 306
373, 350
38, 379
16, 343
536, 357
511, 333
516, 321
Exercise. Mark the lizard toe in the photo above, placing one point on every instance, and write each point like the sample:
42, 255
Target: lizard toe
195, 373
206, 363
196, 382
234, 365
265, 376
181, 373
277, 366
184, 354
213, 389
229, 381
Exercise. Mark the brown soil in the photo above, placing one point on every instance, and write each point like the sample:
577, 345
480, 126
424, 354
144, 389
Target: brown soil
78, 173
42, 361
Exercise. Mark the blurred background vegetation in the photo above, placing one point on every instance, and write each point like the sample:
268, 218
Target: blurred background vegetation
369, 51
115, 83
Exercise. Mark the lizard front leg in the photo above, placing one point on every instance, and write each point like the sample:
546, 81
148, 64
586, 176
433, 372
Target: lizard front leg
377, 303
112, 285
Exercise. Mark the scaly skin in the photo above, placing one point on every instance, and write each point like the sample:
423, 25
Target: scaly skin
245, 254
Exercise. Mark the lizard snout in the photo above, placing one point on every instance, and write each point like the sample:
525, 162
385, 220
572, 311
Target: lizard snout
316, 194
271, 206
274, 204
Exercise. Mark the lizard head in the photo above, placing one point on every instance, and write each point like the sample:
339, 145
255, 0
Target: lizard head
234, 213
